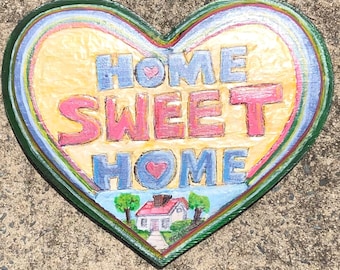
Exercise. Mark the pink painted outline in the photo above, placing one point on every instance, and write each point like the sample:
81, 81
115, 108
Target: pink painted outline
299, 80
252, 188
251, 172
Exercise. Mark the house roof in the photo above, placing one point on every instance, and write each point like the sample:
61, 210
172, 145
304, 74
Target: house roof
148, 209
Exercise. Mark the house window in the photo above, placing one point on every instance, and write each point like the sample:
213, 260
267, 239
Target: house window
179, 210
144, 223
165, 223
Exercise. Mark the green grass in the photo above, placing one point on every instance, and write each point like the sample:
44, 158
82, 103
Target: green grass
144, 234
167, 237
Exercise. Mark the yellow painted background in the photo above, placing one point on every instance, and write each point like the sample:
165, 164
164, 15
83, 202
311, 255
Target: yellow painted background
65, 67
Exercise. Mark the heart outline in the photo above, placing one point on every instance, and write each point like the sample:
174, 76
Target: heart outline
77, 196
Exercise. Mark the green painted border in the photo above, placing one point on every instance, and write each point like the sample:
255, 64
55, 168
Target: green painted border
91, 209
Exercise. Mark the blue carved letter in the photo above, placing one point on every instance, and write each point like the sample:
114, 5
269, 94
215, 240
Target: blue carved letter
103, 171
206, 163
229, 62
123, 70
180, 69
230, 162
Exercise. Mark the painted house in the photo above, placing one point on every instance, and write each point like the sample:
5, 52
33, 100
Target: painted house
159, 214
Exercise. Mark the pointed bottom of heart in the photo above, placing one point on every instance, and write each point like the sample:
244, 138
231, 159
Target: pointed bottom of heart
164, 217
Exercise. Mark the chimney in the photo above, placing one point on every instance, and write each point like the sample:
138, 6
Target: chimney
161, 199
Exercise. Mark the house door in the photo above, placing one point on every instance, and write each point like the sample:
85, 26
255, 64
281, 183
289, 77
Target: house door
154, 225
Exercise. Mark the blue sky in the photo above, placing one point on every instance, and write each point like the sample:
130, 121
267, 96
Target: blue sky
218, 197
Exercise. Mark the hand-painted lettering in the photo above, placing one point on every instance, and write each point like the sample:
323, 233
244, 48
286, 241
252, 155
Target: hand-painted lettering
167, 107
116, 129
194, 168
180, 69
103, 171
198, 110
123, 70
254, 97
156, 169
234, 159
174, 115
231, 60
150, 72
71, 109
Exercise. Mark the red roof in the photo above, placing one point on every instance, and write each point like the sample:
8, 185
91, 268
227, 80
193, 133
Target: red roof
148, 209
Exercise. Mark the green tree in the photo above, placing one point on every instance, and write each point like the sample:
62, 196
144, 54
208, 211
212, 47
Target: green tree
125, 203
199, 204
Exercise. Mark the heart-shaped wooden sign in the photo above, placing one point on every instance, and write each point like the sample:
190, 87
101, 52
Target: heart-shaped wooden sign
164, 139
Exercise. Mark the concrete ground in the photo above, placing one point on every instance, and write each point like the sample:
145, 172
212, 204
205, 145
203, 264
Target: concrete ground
294, 226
